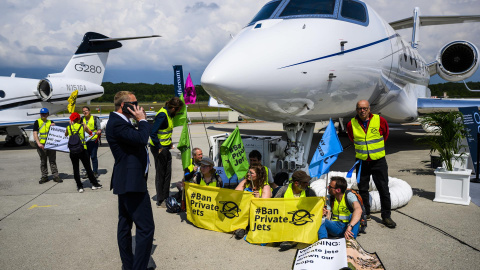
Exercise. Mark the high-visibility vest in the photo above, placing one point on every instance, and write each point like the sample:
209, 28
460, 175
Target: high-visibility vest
190, 167
91, 125
371, 144
247, 185
214, 182
43, 130
165, 135
266, 175
72, 129
289, 192
340, 210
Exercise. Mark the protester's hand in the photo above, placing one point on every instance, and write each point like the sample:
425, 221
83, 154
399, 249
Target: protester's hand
99, 132
326, 212
138, 113
195, 168
52, 124
348, 233
256, 194
41, 146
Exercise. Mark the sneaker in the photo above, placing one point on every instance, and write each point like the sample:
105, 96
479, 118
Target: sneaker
57, 179
369, 217
239, 234
43, 180
287, 245
97, 186
80, 190
389, 222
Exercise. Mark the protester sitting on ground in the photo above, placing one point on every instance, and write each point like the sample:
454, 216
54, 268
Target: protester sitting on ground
76, 127
208, 175
298, 188
255, 158
280, 180
343, 222
193, 169
255, 183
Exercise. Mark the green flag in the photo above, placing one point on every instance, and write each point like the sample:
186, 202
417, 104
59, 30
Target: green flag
181, 116
233, 155
184, 146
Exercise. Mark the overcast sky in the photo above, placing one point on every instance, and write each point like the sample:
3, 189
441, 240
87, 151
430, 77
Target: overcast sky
39, 37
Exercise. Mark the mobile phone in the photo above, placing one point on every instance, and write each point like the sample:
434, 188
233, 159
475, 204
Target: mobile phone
125, 107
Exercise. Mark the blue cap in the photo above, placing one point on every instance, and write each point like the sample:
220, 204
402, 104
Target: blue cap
44, 110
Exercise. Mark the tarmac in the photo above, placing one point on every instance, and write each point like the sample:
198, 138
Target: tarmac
52, 226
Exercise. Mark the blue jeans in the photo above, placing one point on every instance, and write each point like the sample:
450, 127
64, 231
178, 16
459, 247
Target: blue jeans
336, 228
92, 148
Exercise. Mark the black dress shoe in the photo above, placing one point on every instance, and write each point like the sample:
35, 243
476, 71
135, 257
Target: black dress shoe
389, 222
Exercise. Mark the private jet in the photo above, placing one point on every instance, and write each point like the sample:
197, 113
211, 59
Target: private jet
304, 61
21, 99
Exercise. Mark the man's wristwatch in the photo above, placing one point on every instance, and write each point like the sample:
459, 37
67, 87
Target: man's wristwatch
350, 225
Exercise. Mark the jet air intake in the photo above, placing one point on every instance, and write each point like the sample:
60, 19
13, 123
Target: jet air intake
457, 61
45, 89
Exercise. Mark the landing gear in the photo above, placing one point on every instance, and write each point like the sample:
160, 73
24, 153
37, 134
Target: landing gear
298, 146
16, 140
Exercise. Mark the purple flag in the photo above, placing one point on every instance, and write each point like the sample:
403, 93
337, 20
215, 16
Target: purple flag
190, 95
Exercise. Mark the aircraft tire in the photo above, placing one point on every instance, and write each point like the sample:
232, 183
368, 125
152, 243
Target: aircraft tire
19, 140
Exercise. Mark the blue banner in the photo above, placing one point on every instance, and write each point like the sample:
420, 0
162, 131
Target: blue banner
178, 82
471, 119
326, 153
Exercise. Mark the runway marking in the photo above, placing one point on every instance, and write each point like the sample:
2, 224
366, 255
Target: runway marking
37, 206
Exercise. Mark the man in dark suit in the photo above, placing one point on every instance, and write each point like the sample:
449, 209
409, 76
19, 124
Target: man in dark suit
129, 179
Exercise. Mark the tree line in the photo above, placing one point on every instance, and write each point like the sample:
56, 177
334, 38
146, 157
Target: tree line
145, 92
162, 92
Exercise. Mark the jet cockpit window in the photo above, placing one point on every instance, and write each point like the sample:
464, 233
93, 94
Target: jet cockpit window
266, 12
353, 10
309, 7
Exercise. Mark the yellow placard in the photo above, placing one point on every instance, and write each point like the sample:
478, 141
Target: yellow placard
217, 209
285, 219
71, 101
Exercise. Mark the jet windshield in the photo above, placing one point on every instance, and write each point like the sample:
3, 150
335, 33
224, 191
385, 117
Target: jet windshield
353, 11
306, 7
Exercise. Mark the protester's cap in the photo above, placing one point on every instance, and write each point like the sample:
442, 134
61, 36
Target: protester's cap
43, 110
300, 176
74, 116
207, 161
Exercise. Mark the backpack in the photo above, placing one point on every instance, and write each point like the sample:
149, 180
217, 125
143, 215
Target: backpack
75, 144
172, 205
363, 218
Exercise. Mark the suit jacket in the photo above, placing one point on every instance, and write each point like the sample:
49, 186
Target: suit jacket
128, 146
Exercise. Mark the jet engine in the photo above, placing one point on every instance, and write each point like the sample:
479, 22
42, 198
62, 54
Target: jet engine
457, 60
45, 89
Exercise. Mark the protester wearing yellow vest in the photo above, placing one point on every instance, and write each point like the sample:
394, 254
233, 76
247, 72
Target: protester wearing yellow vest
255, 182
40, 133
255, 158
369, 132
160, 144
93, 123
208, 175
297, 188
76, 126
343, 222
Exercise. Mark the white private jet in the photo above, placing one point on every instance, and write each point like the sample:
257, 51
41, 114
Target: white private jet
304, 61
21, 99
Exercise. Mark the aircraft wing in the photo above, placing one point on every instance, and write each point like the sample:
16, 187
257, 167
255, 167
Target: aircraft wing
434, 20
429, 105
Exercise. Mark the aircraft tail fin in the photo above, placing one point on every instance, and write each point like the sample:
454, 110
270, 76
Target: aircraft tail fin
89, 61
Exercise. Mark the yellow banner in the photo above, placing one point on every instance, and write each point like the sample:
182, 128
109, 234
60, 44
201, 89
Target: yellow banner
291, 219
217, 209
71, 101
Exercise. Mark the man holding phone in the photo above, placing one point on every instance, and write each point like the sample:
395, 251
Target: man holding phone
129, 179
160, 145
